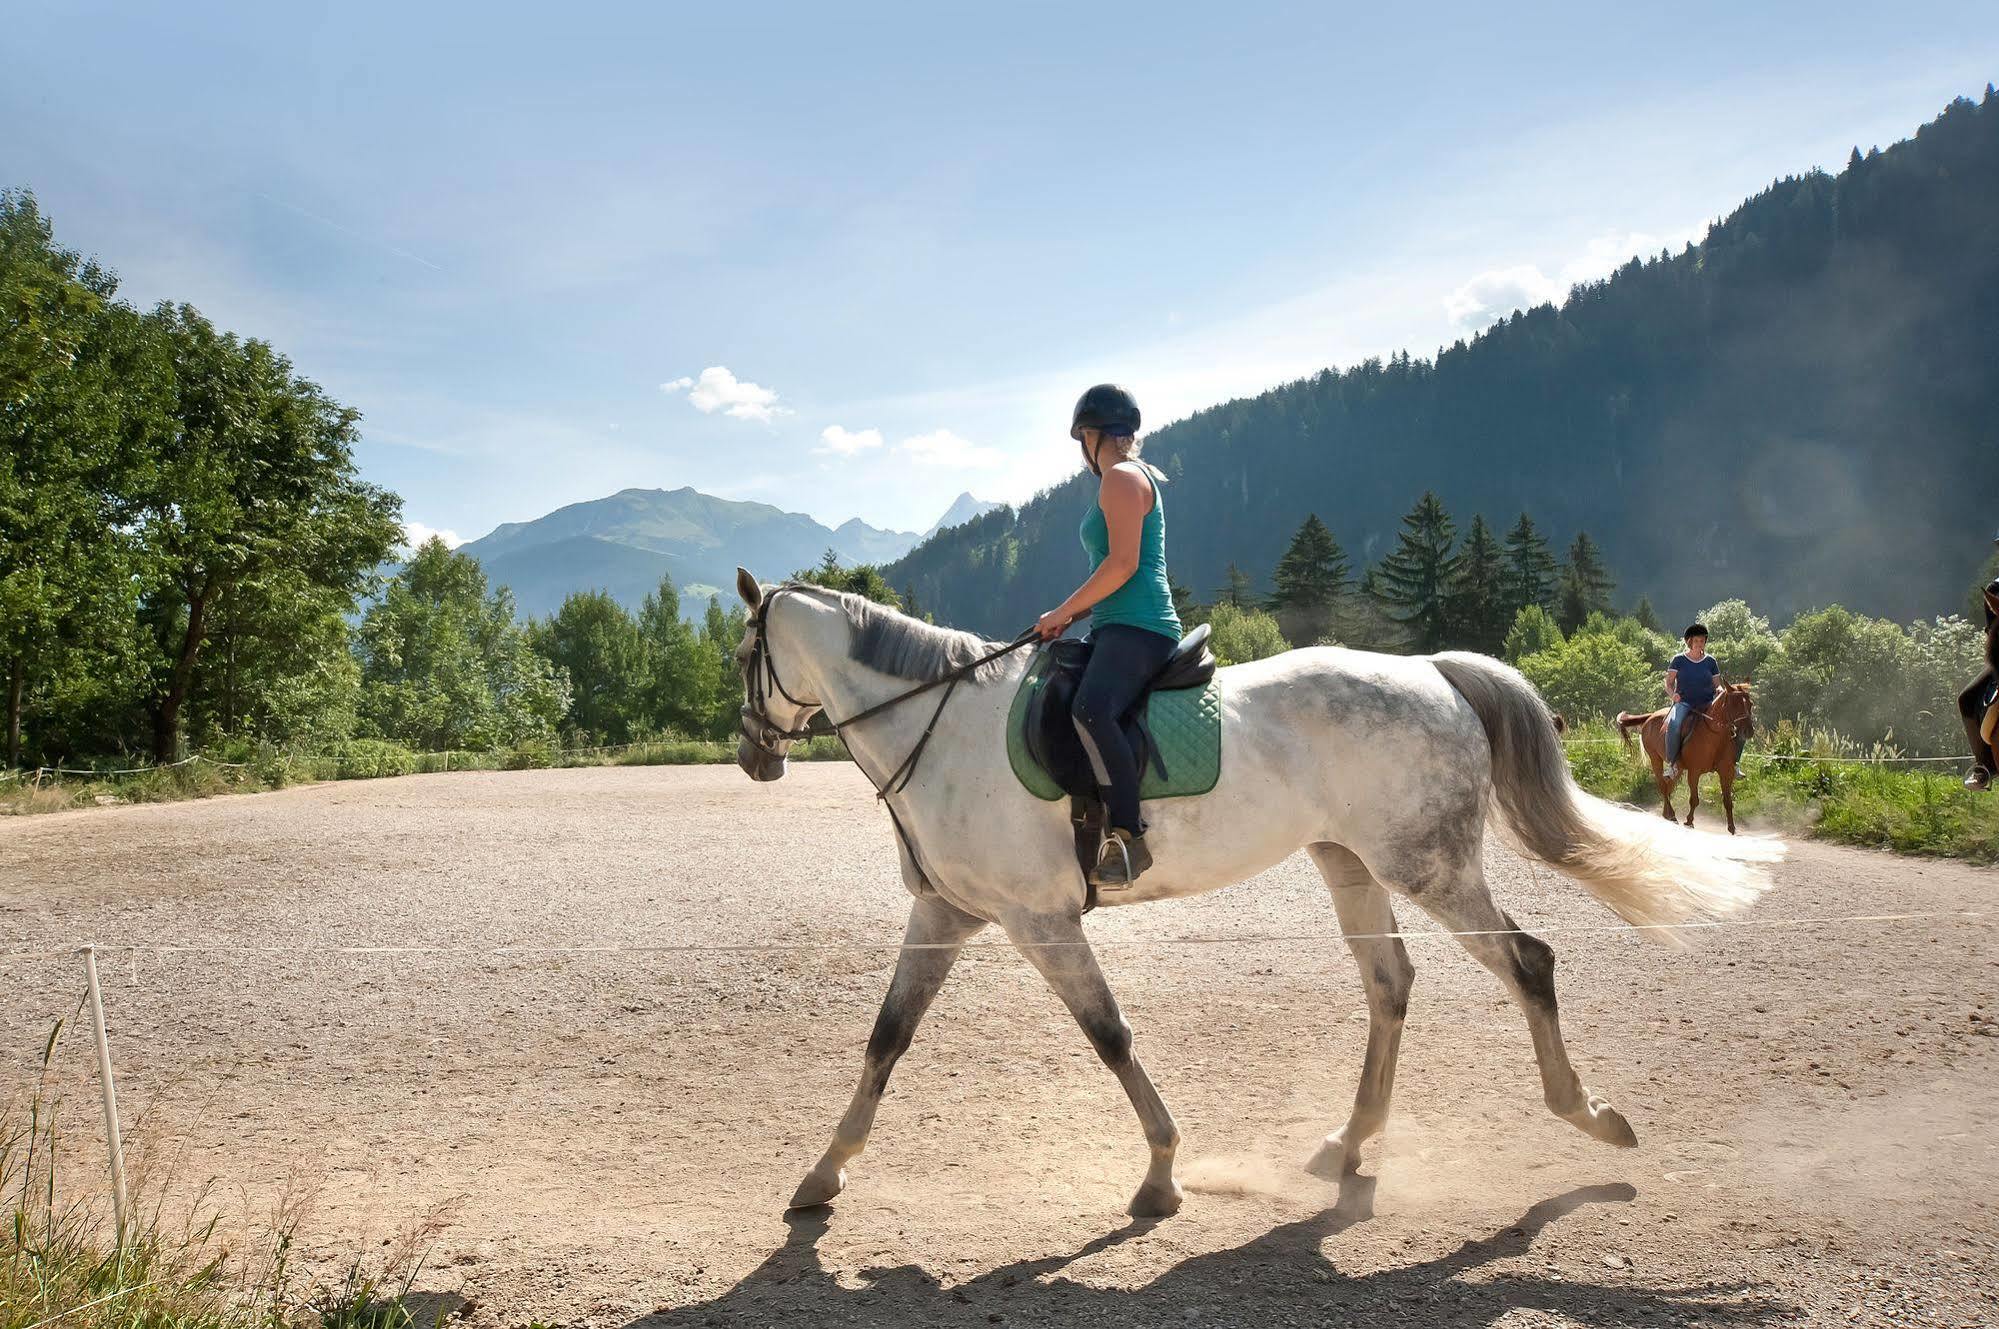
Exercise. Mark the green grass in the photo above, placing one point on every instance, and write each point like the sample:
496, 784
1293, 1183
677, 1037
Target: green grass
249, 768
1816, 784
61, 1264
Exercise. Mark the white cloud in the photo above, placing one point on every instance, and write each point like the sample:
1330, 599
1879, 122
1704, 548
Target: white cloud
719, 390
416, 533
941, 447
840, 442
1493, 295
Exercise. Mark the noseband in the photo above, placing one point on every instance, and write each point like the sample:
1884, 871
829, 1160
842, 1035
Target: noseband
760, 680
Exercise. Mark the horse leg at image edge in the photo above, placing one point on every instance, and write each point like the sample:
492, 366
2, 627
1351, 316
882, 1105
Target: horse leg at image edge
1060, 951
1526, 965
936, 933
1365, 916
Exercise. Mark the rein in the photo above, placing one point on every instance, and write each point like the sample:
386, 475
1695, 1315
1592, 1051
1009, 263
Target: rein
761, 669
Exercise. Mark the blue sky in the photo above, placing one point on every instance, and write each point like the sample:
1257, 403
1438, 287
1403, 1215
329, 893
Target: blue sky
853, 261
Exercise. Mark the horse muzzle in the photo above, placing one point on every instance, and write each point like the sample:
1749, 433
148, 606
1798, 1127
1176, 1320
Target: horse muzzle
758, 764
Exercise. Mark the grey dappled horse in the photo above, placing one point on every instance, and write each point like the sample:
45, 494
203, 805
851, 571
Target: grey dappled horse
1384, 768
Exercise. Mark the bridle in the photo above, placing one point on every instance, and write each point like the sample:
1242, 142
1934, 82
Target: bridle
1741, 726
760, 679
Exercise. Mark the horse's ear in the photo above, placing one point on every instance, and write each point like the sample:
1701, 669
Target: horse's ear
748, 587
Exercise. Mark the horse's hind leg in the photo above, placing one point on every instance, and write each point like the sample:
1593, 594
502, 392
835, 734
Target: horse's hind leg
1526, 965
1365, 917
931, 943
1693, 795
1057, 947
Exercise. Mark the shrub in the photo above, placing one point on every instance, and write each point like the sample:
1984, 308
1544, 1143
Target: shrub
531, 755
370, 758
1590, 676
1534, 630
1242, 635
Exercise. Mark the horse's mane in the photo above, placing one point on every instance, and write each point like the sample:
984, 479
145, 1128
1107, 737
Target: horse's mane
898, 645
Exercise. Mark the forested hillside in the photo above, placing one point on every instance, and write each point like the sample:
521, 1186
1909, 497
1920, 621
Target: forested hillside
1801, 409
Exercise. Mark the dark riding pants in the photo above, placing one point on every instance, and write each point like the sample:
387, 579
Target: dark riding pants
1122, 661
1970, 709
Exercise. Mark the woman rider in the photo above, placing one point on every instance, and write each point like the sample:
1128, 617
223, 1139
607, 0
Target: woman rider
1971, 702
1134, 628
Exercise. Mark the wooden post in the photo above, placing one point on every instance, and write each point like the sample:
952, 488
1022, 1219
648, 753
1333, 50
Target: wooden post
110, 1093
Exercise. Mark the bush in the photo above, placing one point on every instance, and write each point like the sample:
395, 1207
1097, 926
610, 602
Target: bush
531, 755
1534, 630
1842, 671
1740, 639
370, 759
1242, 635
1591, 676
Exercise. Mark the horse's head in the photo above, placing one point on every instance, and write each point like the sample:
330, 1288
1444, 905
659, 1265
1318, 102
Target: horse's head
1735, 707
772, 717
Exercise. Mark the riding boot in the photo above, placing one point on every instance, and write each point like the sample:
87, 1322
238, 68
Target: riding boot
1120, 859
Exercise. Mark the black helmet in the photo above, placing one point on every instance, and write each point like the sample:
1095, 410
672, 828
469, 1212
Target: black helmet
1107, 407
1697, 630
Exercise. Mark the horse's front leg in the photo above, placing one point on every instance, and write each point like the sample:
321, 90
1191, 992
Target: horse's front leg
1057, 947
936, 933
1693, 795
1728, 794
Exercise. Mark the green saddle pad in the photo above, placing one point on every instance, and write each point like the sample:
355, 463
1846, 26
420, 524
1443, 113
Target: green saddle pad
1186, 724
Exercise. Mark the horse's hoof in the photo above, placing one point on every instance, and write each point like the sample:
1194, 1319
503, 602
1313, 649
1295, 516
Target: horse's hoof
1600, 1121
1155, 1201
1333, 1160
818, 1189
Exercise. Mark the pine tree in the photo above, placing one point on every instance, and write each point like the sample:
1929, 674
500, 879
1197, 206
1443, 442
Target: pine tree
1647, 616
1309, 581
1414, 582
1530, 568
1238, 592
1478, 596
1584, 585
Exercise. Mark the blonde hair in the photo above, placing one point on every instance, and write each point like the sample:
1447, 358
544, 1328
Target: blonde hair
1129, 447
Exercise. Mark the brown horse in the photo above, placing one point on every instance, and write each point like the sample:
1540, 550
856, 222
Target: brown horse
1709, 745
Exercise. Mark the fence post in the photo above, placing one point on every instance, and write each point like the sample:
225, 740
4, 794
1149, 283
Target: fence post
110, 1093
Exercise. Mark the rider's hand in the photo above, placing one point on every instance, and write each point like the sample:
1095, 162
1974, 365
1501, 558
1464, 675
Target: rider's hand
1051, 625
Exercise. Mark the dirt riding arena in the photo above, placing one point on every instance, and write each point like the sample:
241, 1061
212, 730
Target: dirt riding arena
1815, 1105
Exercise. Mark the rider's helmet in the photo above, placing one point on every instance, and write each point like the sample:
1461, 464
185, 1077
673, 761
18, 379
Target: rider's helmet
1695, 630
1107, 407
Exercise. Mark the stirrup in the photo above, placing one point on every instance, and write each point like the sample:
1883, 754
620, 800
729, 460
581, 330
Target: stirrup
1124, 859
1978, 780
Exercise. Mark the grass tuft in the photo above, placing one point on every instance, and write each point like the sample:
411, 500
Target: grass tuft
61, 1263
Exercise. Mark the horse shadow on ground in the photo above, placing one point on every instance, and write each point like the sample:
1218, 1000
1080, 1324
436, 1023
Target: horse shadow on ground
1280, 1278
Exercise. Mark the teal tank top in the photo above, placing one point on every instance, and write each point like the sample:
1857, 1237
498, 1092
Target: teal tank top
1146, 598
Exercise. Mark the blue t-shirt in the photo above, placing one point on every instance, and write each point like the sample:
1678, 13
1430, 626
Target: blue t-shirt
1696, 679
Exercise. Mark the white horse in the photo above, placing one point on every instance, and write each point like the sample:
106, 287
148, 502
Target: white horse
1382, 767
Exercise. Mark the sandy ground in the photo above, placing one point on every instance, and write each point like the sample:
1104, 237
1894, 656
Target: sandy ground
1815, 1105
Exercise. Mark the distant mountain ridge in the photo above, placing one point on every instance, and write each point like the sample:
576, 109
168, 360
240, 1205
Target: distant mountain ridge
623, 544
1801, 409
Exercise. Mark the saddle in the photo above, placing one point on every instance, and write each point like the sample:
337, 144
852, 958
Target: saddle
1174, 729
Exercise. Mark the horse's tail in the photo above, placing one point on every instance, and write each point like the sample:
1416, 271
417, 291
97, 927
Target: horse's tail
1626, 722
1650, 873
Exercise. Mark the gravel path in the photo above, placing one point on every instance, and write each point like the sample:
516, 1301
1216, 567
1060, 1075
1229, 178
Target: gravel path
618, 1131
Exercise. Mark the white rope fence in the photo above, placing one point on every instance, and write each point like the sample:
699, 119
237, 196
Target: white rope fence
1805, 758
37, 773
